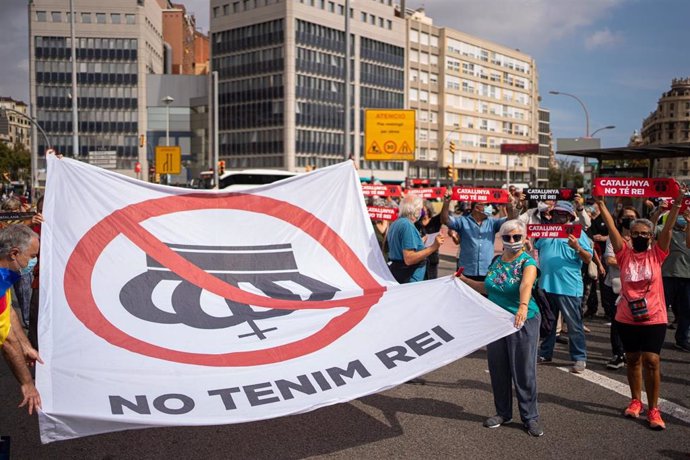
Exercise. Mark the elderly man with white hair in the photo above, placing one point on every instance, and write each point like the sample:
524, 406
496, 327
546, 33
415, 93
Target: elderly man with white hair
406, 251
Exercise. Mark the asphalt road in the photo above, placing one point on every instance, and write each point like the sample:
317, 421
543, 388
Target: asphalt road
439, 419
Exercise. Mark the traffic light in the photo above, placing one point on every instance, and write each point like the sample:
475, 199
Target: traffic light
221, 166
450, 173
451, 147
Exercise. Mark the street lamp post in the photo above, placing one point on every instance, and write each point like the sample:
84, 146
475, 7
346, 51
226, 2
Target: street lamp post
167, 100
601, 129
560, 93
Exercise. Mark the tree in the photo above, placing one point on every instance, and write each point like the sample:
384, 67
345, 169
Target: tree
16, 161
565, 172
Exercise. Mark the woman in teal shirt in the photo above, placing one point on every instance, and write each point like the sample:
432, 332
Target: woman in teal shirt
513, 359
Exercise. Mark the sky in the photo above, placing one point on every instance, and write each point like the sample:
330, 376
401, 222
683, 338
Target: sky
617, 56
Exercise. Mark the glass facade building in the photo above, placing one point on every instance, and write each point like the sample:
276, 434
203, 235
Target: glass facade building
282, 80
108, 94
116, 45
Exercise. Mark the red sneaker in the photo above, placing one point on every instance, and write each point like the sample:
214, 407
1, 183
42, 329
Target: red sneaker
654, 419
634, 409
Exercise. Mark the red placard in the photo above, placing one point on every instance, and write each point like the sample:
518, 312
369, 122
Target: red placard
381, 213
428, 193
668, 202
638, 187
381, 190
553, 231
481, 195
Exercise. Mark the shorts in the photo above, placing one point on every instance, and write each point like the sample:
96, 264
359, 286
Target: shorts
637, 338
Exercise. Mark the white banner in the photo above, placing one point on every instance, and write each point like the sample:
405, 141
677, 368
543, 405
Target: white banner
163, 306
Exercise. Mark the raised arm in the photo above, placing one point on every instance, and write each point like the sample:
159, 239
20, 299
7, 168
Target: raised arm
664, 240
614, 235
444, 210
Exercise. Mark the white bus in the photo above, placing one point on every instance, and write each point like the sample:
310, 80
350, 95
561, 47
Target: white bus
250, 178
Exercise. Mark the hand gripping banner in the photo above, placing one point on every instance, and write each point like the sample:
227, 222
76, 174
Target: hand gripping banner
162, 306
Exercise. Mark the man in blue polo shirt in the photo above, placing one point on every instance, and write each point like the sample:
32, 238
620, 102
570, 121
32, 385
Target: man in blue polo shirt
477, 233
560, 261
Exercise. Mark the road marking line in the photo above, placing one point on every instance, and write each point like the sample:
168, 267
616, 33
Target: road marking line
666, 407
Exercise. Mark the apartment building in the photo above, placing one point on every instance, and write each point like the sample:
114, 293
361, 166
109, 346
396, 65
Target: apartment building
670, 124
14, 128
475, 93
282, 80
118, 42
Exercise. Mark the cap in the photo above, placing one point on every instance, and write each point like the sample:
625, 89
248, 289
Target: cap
564, 206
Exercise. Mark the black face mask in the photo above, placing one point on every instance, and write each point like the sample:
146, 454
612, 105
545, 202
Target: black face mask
640, 243
625, 222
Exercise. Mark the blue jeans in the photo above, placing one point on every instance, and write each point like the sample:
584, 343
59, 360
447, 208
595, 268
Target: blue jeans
513, 360
570, 309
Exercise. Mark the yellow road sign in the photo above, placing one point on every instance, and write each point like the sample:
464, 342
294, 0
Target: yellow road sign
389, 134
168, 160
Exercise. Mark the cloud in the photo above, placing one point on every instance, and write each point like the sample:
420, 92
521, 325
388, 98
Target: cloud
526, 24
603, 38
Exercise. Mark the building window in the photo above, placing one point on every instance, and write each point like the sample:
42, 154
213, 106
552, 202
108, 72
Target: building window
331, 7
41, 16
86, 18
100, 18
115, 18
363, 16
216, 11
56, 16
130, 19
389, 24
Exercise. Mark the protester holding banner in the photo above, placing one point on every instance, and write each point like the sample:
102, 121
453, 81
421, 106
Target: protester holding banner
641, 312
561, 262
407, 252
429, 225
18, 247
676, 275
477, 233
513, 359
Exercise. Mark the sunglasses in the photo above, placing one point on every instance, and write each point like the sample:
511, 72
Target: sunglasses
509, 238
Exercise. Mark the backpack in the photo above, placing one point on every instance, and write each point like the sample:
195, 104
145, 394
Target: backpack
548, 319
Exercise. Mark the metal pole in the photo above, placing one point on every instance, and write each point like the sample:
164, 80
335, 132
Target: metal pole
75, 108
215, 129
583, 108
347, 80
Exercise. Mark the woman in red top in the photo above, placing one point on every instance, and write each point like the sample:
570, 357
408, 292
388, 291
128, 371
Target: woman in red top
641, 308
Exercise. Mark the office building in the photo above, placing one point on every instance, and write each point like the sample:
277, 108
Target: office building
475, 93
539, 173
282, 80
117, 44
14, 128
670, 124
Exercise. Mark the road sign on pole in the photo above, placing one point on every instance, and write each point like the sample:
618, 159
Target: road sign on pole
389, 134
168, 160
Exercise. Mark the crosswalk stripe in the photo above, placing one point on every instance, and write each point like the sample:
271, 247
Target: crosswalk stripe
666, 407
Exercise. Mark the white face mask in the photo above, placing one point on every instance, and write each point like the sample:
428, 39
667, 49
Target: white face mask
513, 247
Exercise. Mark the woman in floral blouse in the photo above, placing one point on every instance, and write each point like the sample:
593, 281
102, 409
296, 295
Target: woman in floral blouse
513, 359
